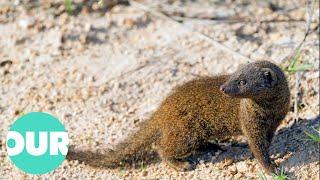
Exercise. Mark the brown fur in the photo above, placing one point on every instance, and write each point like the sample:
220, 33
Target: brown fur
210, 108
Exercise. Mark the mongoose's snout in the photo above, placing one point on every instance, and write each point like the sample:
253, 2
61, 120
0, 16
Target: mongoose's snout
224, 89
229, 89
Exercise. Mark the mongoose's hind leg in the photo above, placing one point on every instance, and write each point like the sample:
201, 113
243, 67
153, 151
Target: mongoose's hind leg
179, 164
174, 149
177, 161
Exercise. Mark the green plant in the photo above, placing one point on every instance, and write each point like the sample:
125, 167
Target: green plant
294, 66
142, 165
69, 6
262, 176
280, 176
101, 3
314, 137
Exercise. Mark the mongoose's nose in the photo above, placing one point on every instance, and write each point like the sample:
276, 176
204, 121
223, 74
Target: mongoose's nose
222, 88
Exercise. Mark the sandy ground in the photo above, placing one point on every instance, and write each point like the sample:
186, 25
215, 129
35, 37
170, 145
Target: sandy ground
103, 73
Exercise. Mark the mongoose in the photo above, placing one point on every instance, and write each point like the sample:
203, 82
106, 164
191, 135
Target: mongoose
252, 102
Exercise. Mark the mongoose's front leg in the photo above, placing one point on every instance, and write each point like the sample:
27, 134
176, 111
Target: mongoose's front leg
259, 139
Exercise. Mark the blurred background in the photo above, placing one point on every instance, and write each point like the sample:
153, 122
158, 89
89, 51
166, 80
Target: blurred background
103, 66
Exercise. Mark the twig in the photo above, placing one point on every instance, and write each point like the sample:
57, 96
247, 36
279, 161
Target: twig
128, 73
298, 75
196, 14
315, 28
201, 35
232, 21
296, 95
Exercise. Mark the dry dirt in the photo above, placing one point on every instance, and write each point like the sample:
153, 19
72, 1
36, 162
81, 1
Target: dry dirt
102, 72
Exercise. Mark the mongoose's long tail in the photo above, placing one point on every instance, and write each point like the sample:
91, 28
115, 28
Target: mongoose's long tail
136, 147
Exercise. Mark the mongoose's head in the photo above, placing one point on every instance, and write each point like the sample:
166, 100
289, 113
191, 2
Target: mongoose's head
257, 79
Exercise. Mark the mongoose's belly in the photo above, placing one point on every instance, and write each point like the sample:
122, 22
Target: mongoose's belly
200, 109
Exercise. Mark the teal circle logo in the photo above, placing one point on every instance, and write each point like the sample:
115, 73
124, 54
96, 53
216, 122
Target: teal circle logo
37, 143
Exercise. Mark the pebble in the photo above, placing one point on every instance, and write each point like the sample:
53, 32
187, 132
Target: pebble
144, 173
238, 176
233, 170
128, 22
242, 166
228, 162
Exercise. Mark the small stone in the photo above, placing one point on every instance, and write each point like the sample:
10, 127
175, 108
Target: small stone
5, 9
21, 40
246, 30
116, 9
227, 162
278, 161
144, 173
85, 10
238, 176
128, 22
251, 169
83, 38
95, 6
242, 166
87, 27
17, 112
291, 123
233, 170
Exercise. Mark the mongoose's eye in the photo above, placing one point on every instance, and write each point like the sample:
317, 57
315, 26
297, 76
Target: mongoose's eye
242, 82
268, 76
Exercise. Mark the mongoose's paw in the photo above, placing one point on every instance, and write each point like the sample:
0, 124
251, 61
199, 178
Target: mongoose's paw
180, 165
271, 169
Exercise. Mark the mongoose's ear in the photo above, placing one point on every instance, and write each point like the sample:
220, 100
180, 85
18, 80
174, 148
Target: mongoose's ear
270, 76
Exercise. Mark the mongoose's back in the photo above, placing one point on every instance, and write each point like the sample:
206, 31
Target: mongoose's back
199, 105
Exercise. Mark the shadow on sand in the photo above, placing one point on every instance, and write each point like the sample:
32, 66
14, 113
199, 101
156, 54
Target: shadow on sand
287, 140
